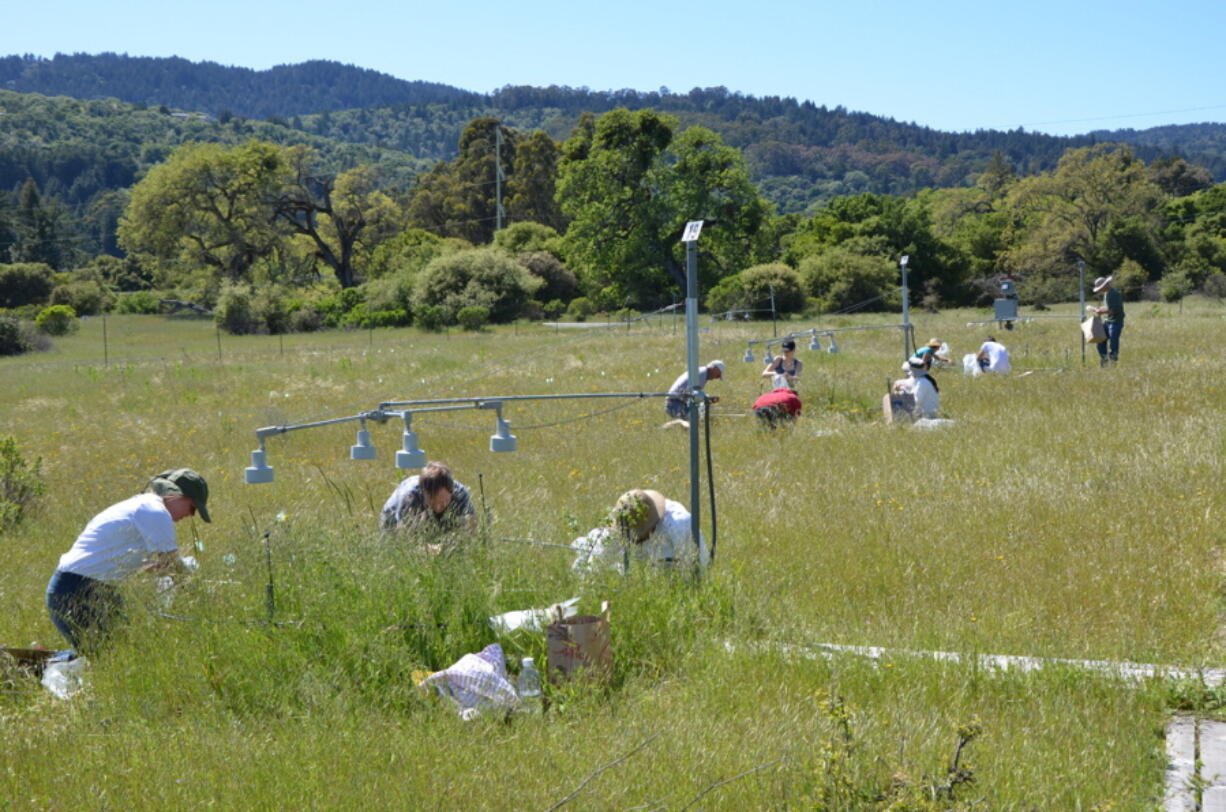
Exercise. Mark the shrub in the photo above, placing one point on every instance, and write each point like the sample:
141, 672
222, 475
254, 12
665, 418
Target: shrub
57, 320
1174, 286
533, 310
519, 238
25, 283
305, 319
86, 297
396, 317
557, 281
13, 340
580, 309
484, 276
234, 312
270, 308
473, 317
141, 302
334, 307
728, 294
1215, 285
554, 309
759, 280
430, 318
1130, 278
394, 292
21, 483
840, 278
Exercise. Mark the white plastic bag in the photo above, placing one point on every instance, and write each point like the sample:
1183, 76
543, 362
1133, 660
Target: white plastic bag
65, 678
533, 619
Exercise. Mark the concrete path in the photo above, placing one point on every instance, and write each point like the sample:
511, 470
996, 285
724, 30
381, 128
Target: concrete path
1193, 743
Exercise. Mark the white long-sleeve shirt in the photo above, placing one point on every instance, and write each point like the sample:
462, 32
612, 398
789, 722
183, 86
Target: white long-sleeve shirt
669, 544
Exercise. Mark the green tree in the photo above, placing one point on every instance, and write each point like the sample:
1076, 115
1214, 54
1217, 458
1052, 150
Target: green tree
458, 198
208, 206
531, 187
337, 215
1065, 215
629, 191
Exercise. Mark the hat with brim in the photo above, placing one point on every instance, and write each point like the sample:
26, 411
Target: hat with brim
1102, 282
637, 513
186, 482
935, 343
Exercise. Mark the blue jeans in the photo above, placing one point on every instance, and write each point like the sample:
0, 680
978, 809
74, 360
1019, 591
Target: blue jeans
677, 408
1110, 349
82, 609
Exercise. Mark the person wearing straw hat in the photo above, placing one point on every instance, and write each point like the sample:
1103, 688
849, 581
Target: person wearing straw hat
676, 405
1112, 312
643, 527
135, 535
931, 352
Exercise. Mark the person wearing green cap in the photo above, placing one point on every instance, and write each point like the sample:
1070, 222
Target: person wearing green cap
135, 535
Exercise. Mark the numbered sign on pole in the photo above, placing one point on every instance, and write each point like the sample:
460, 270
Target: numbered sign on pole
692, 229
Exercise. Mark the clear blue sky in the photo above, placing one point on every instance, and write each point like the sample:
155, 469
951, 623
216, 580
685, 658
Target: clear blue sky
1058, 67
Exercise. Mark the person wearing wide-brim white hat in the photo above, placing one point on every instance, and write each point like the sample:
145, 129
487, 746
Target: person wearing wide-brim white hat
643, 527
1112, 312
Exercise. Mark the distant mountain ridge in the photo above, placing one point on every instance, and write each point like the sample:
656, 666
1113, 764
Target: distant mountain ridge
800, 153
308, 87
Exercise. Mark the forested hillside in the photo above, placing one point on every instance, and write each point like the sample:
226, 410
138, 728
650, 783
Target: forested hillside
309, 87
800, 153
85, 154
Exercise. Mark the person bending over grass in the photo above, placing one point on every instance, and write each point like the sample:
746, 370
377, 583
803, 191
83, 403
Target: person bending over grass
135, 535
644, 527
432, 502
677, 405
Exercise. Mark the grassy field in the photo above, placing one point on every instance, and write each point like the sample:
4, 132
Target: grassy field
1071, 513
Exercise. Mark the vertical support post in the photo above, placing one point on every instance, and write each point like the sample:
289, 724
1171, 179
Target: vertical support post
106, 351
906, 308
690, 239
691, 358
774, 320
1081, 292
218, 331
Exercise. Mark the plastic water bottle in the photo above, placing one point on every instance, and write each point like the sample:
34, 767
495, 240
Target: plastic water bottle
528, 686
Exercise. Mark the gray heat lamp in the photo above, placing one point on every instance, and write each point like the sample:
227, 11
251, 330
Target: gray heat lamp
814, 344
502, 439
748, 355
411, 456
833, 346
362, 449
260, 471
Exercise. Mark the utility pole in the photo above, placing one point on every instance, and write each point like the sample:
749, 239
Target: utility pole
499, 214
774, 321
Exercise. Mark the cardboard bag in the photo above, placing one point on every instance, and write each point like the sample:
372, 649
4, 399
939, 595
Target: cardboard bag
1094, 331
579, 643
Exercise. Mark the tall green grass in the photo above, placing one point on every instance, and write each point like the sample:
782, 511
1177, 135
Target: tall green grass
1068, 513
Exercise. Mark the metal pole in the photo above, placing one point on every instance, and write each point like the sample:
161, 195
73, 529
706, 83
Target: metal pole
774, 323
498, 176
906, 310
106, 353
1081, 291
691, 355
219, 343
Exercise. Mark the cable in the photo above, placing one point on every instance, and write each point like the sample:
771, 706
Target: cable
711, 482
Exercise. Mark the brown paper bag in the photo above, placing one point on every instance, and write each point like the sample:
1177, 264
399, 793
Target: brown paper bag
579, 643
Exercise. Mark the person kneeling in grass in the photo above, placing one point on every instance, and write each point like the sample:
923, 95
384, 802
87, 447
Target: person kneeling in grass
135, 535
644, 527
432, 503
